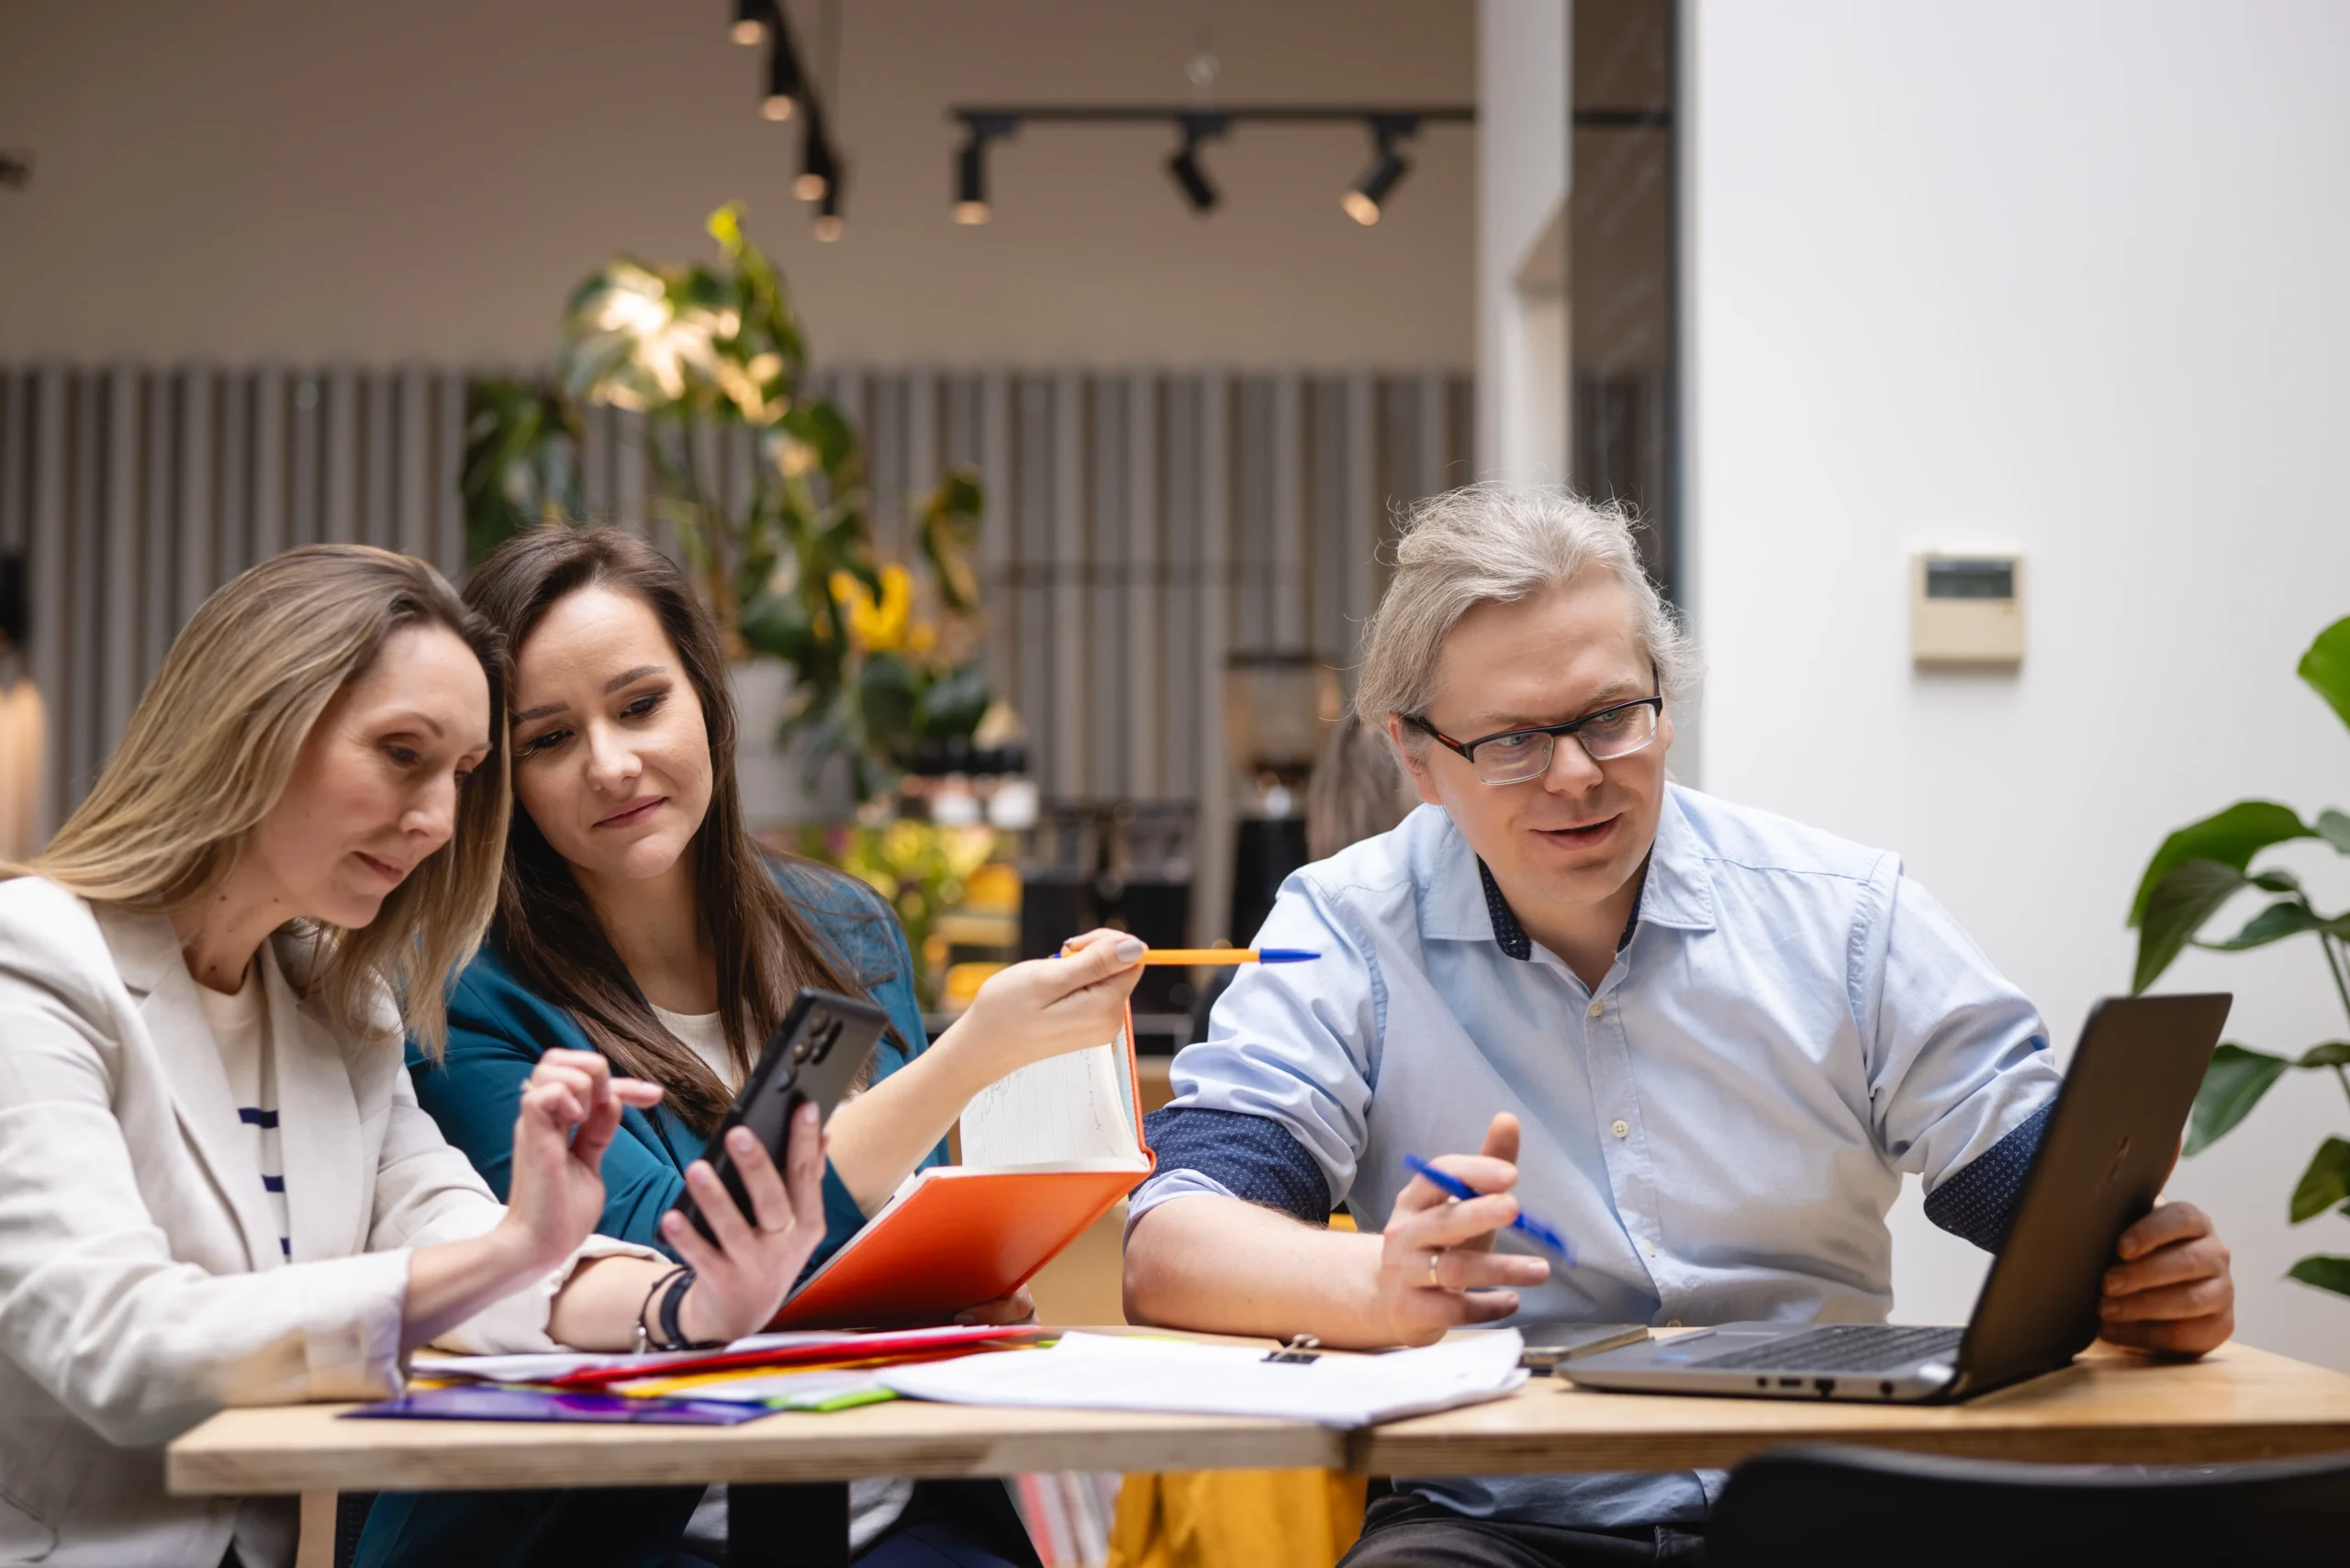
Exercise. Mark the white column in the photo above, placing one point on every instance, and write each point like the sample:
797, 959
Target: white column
1523, 101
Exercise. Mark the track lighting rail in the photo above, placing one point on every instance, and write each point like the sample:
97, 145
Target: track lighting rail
1194, 124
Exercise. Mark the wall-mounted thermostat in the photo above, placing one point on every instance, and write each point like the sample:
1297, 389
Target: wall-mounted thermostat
1965, 611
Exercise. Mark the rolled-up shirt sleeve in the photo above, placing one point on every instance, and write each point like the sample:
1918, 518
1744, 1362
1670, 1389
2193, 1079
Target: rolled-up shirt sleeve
1959, 1069
1273, 1105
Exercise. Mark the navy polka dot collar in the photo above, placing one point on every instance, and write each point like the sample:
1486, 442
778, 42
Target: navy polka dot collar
1510, 937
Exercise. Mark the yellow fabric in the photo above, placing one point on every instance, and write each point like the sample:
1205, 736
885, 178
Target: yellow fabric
1237, 1518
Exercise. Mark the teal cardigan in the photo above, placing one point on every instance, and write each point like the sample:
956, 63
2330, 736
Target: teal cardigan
499, 1026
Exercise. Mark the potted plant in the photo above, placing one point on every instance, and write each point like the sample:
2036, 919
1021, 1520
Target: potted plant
693, 348
2200, 867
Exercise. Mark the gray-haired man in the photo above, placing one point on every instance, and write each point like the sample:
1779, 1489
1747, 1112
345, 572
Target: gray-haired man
1710, 1040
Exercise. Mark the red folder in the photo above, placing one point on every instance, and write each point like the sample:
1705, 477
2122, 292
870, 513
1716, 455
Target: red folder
959, 1234
866, 1347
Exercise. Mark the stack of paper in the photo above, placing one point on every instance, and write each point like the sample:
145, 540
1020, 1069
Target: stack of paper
1098, 1372
739, 1381
573, 1369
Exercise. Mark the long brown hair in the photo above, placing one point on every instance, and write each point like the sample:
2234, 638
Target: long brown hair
548, 932
211, 745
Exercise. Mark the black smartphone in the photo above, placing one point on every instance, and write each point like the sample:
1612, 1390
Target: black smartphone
814, 1054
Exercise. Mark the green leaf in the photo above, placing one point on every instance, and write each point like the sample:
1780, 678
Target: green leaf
2326, 1274
2333, 1053
886, 692
2285, 917
2326, 666
2231, 837
2233, 1086
2334, 828
949, 532
953, 704
2189, 894
2326, 1182
779, 623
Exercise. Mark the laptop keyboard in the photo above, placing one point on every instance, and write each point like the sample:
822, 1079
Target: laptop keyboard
1840, 1348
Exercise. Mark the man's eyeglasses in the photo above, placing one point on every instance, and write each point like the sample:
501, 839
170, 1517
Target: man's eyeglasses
1513, 756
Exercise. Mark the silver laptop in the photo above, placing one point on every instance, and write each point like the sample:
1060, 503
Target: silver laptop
2106, 1150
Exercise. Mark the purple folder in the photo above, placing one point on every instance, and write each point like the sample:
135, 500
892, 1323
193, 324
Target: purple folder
492, 1402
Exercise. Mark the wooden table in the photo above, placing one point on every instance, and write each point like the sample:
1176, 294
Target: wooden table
2109, 1407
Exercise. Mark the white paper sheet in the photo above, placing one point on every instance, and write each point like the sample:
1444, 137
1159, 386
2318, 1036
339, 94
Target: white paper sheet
1097, 1372
1063, 1108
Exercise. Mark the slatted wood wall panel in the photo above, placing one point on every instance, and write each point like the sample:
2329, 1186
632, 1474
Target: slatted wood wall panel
1141, 527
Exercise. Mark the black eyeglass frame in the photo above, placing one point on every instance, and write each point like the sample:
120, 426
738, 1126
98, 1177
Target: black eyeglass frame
1468, 749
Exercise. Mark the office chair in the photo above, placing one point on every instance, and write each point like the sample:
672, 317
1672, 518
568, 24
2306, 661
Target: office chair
1827, 1507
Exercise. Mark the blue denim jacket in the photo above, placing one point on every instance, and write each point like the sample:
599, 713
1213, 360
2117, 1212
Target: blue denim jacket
498, 1027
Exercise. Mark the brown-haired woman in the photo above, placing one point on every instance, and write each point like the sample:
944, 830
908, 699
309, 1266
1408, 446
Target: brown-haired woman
217, 1184
637, 918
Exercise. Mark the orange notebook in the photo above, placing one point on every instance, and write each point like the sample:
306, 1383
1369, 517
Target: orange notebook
1046, 1151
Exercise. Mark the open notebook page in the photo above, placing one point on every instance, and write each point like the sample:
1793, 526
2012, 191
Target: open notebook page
1073, 1108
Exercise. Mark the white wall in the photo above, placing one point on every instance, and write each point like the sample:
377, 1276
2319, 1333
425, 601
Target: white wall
2071, 277
1522, 104
310, 179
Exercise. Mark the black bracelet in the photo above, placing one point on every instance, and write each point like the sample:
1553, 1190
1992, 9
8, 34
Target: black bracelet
643, 1321
671, 1300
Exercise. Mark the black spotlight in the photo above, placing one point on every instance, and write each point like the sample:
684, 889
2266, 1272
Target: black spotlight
827, 227
752, 20
971, 164
1362, 200
1184, 165
16, 605
971, 181
785, 83
818, 168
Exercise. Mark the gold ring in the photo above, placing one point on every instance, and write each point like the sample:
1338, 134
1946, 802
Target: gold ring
1435, 1258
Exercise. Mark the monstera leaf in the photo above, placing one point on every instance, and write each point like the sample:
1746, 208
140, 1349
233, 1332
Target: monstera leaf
2198, 868
2326, 666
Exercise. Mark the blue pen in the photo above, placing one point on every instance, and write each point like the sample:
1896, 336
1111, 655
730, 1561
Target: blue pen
1453, 1186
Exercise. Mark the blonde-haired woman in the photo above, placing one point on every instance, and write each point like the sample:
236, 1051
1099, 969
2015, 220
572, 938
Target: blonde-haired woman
215, 1187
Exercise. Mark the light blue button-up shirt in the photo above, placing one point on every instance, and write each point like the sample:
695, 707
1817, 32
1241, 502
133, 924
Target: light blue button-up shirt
1720, 1128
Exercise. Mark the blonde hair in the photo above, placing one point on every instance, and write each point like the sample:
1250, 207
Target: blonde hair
1496, 543
212, 744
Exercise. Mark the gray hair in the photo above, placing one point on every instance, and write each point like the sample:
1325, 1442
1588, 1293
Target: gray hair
1497, 543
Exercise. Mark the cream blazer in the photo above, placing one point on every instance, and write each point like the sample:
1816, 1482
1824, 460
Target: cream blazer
141, 1284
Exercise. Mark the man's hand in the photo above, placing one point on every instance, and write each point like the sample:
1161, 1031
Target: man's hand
2171, 1290
1438, 1251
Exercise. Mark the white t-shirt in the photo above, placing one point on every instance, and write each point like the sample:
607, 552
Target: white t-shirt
874, 1503
706, 1036
241, 1032
239, 1027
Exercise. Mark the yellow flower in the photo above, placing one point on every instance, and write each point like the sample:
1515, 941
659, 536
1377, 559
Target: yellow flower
877, 625
967, 850
903, 841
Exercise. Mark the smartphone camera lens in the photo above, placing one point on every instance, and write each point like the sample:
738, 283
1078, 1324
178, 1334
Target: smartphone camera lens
824, 1038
